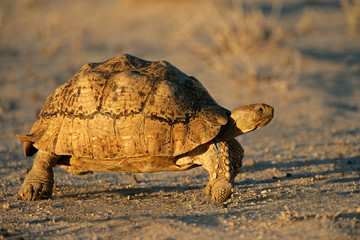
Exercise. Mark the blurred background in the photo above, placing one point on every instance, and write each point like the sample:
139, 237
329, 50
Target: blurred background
301, 56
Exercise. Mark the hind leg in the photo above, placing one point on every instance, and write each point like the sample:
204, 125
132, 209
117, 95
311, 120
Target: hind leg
38, 183
223, 161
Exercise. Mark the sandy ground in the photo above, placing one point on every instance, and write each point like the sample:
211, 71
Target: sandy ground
300, 178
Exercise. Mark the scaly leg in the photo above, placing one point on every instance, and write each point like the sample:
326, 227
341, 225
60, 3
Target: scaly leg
222, 161
38, 183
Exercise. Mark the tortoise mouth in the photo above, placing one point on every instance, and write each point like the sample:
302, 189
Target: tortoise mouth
259, 125
263, 122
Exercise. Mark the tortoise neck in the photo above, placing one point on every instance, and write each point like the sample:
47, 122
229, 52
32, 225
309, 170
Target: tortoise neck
229, 131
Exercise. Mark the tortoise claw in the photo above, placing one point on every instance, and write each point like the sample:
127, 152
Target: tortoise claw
35, 190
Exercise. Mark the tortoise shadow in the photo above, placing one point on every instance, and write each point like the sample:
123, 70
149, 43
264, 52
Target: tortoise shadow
127, 192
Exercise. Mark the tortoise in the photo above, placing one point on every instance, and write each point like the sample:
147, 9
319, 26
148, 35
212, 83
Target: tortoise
131, 115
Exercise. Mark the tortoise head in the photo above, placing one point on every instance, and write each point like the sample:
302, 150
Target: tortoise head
246, 119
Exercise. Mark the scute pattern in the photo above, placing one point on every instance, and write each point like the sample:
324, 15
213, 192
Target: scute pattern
127, 107
125, 97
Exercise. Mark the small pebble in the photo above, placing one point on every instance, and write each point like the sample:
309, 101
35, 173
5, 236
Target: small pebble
319, 177
6, 206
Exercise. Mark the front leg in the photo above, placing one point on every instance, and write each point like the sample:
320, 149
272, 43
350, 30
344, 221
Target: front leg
38, 183
222, 161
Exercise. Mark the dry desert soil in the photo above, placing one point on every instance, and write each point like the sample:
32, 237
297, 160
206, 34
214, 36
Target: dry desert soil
301, 173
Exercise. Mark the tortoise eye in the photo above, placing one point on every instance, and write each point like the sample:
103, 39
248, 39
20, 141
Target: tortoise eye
261, 109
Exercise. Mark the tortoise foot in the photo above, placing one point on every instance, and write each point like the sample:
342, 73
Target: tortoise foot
220, 191
33, 189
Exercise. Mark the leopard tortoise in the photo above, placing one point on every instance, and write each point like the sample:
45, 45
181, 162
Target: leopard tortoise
131, 115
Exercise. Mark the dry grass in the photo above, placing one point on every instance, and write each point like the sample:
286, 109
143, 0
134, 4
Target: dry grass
233, 27
229, 34
351, 14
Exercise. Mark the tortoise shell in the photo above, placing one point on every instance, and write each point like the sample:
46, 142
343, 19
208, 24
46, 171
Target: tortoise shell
126, 107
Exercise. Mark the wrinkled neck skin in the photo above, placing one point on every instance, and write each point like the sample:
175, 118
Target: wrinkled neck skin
229, 131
